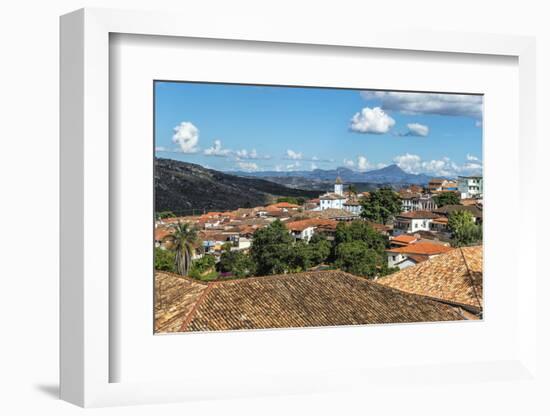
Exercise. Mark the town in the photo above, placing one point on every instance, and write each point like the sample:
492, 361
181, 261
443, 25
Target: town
424, 241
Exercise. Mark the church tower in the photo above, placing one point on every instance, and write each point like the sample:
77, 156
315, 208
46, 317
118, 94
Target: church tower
339, 186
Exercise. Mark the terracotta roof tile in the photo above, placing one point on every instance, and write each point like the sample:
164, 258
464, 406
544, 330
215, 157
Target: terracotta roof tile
456, 276
404, 238
310, 299
422, 248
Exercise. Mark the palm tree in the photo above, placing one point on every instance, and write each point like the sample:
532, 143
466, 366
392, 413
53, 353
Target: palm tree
184, 242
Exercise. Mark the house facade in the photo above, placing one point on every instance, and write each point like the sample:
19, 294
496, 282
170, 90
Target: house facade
470, 186
411, 254
410, 222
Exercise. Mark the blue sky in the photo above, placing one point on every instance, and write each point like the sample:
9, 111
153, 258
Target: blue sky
249, 128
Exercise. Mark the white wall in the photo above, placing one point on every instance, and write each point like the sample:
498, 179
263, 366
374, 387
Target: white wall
29, 172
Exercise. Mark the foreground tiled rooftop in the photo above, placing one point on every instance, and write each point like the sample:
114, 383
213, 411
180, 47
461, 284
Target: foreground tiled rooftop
456, 277
310, 299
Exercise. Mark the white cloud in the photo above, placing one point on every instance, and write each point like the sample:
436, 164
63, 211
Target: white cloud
292, 155
293, 166
428, 103
245, 154
186, 135
363, 164
247, 166
411, 163
217, 150
471, 158
371, 120
417, 129
313, 166
349, 163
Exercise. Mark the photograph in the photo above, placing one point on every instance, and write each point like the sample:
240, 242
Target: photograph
301, 206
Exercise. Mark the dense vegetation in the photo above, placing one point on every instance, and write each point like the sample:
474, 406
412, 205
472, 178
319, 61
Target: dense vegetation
357, 248
464, 230
446, 198
300, 200
381, 205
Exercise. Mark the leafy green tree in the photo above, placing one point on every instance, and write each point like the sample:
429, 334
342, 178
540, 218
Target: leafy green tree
165, 214
320, 249
446, 198
203, 268
164, 260
227, 246
237, 263
464, 230
381, 205
184, 242
357, 258
360, 249
300, 257
300, 200
271, 249
352, 189
360, 231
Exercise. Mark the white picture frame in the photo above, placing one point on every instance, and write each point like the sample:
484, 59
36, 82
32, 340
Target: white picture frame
85, 204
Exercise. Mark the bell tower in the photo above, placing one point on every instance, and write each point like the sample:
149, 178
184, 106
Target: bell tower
339, 186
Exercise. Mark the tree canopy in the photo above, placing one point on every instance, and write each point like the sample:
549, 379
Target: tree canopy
446, 198
271, 249
360, 249
237, 263
381, 205
464, 230
164, 260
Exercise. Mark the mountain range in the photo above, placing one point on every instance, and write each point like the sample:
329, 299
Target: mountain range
187, 189
391, 174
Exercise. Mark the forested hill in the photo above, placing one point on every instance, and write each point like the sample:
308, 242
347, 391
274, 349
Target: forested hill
182, 187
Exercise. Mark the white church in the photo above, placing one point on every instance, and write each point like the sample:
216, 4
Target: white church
339, 200
334, 199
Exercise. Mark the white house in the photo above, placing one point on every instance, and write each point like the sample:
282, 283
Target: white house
353, 206
414, 253
303, 229
470, 186
416, 202
333, 200
410, 222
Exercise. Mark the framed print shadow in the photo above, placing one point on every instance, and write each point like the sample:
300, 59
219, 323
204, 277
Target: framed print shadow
292, 207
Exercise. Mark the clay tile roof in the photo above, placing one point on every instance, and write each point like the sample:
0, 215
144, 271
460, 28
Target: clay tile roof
422, 248
404, 238
310, 299
338, 180
331, 196
281, 205
175, 297
162, 233
418, 215
301, 225
456, 277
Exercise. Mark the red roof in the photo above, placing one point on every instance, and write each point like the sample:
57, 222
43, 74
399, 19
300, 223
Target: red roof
407, 239
162, 233
312, 222
421, 248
